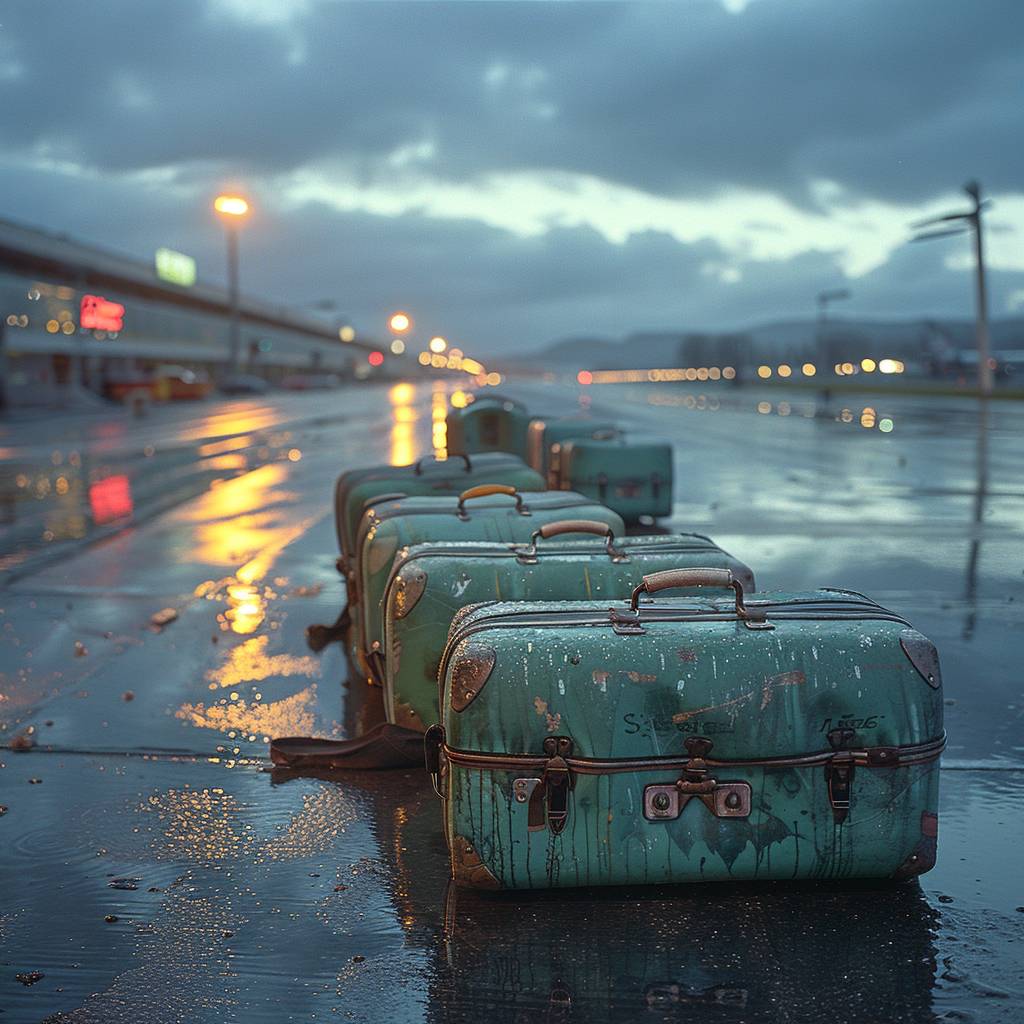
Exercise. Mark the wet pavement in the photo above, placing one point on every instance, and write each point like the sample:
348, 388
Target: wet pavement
153, 868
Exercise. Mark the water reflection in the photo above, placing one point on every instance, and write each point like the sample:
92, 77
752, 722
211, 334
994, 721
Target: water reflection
978, 514
698, 953
403, 431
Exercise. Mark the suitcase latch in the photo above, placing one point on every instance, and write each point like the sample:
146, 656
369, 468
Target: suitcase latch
723, 799
549, 799
839, 773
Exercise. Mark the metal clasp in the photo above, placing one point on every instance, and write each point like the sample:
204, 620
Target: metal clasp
665, 802
549, 799
839, 773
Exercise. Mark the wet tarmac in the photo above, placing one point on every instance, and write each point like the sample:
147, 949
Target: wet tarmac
153, 868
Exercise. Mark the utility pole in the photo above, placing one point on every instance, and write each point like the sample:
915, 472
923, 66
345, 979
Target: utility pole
970, 220
824, 298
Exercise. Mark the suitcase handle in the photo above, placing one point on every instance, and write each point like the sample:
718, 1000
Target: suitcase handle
529, 553
418, 468
485, 491
670, 579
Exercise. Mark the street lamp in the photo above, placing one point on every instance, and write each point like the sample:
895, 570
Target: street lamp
232, 209
400, 322
823, 299
966, 221
438, 345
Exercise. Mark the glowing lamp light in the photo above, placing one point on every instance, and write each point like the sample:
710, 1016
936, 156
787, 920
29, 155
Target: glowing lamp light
397, 346
231, 206
424, 358
867, 365
347, 333
585, 377
764, 372
375, 358
400, 322
784, 370
438, 345
809, 369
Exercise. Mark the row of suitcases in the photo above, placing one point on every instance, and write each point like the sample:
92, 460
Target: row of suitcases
585, 728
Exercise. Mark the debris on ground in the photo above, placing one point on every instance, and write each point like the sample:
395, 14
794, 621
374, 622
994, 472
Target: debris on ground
80, 649
127, 696
306, 591
30, 977
110, 918
162, 618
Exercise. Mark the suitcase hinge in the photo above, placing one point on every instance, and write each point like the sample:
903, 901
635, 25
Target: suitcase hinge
549, 801
839, 773
625, 623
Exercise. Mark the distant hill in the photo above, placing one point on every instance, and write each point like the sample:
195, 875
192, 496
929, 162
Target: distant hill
777, 339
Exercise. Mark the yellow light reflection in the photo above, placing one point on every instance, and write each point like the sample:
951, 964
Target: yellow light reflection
249, 662
403, 434
290, 716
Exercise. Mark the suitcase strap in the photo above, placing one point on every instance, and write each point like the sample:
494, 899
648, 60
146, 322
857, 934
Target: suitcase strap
552, 776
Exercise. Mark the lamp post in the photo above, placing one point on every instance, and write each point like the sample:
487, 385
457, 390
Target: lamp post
968, 220
232, 209
824, 298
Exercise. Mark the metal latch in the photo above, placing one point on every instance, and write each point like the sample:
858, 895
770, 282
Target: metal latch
433, 743
549, 799
839, 773
665, 802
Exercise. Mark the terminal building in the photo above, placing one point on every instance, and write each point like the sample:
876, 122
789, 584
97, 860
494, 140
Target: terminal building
77, 322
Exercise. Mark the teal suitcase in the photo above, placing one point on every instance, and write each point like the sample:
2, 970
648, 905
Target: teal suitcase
543, 433
491, 423
489, 512
428, 476
430, 582
794, 736
358, 487
632, 477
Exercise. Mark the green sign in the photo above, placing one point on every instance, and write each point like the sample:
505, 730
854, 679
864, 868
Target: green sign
175, 267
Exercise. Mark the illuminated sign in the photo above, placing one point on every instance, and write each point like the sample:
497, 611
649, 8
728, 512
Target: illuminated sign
97, 314
110, 499
175, 267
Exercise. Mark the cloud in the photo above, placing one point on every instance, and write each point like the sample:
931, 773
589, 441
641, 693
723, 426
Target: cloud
519, 171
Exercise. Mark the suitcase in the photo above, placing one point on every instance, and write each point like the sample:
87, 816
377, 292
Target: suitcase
542, 434
674, 954
794, 736
490, 423
430, 582
480, 513
632, 477
428, 476
358, 487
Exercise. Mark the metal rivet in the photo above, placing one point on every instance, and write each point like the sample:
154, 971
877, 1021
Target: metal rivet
732, 800
660, 801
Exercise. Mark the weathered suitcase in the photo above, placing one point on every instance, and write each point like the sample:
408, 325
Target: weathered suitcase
358, 487
622, 956
480, 513
430, 582
491, 423
632, 477
543, 433
428, 476
796, 736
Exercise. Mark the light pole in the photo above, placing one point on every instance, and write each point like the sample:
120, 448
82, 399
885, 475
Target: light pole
823, 299
966, 221
233, 210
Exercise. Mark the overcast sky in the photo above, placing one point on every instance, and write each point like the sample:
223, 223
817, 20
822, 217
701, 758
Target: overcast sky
514, 173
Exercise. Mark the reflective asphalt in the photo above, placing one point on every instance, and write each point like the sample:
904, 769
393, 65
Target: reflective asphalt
153, 868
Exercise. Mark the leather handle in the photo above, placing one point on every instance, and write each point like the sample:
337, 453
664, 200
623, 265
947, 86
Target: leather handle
670, 579
573, 526
418, 469
485, 491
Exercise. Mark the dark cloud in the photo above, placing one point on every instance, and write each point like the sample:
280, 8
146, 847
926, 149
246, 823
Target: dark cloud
897, 100
892, 100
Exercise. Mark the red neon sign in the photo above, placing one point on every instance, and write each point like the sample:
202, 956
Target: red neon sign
110, 499
97, 314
